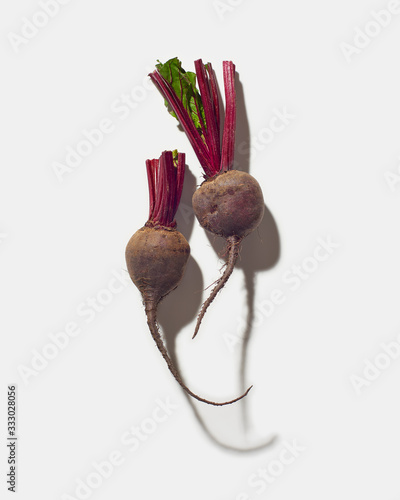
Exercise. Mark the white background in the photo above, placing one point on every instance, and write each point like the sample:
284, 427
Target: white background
323, 176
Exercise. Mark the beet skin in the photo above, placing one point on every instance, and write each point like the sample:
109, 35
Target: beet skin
156, 258
230, 204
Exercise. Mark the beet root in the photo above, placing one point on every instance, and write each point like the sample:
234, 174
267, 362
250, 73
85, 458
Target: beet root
230, 205
156, 258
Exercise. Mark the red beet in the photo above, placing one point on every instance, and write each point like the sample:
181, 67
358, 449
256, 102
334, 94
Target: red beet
157, 254
229, 203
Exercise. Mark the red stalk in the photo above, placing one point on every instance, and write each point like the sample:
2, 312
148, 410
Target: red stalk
151, 167
212, 132
183, 116
228, 140
165, 188
212, 157
214, 92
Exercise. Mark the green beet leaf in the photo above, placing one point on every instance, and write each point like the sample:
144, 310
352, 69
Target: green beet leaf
184, 85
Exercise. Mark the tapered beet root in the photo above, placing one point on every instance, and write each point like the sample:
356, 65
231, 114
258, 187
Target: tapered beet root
230, 205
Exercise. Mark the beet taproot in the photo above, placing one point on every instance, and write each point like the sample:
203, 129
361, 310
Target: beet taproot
230, 205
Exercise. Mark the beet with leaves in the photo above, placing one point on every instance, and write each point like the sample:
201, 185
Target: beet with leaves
229, 203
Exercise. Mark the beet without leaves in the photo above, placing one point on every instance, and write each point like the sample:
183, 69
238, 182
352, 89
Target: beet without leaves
157, 254
230, 205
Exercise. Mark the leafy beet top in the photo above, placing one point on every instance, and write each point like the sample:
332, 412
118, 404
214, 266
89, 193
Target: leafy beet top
198, 110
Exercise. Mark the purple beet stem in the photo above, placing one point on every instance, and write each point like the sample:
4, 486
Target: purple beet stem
211, 156
228, 141
165, 187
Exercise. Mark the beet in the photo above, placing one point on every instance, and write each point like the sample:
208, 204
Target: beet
156, 255
229, 203
156, 258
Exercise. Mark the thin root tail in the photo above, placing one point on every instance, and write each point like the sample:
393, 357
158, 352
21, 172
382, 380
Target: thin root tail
151, 314
233, 247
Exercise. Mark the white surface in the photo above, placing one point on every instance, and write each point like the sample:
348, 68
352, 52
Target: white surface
323, 175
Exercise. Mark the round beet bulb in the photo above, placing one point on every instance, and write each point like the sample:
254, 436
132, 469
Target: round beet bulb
156, 258
229, 204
